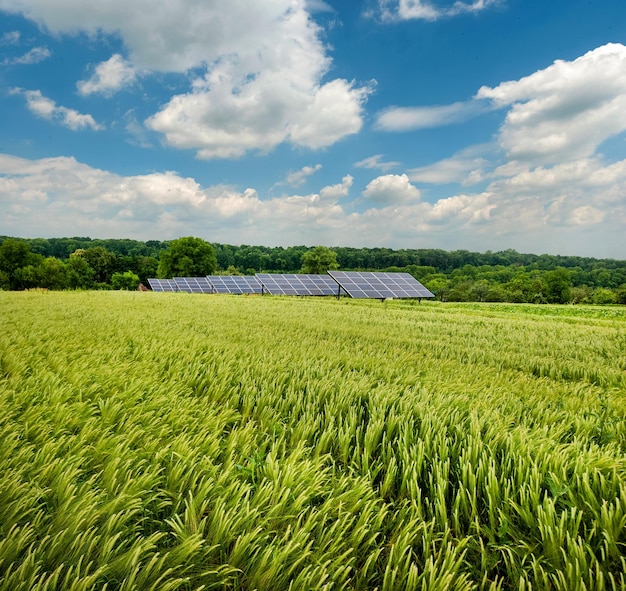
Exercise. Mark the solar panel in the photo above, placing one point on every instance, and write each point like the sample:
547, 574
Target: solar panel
297, 284
380, 285
161, 284
236, 284
193, 284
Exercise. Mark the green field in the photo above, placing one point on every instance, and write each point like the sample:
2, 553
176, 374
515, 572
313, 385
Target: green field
187, 442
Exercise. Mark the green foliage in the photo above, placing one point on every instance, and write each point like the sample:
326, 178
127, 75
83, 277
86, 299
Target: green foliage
506, 276
101, 261
604, 296
319, 260
558, 286
187, 257
14, 254
175, 441
18, 264
52, 274
420, 272
5, 280
79, 273
128, 281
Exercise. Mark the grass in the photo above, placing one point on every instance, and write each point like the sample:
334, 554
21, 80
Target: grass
184, 442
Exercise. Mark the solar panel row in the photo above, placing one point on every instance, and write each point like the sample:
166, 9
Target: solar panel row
162, 285
236, 284
352, 283
193, 284
380, 285
209, 284
301, 285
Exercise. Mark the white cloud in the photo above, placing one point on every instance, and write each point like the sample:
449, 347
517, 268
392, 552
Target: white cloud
466, 167
318, 6
392, 10
561, 113
377, 163
33, 56
333, 113
260, 69
587, 215
299, 177
172, 36
391, 188
334, 192
565, 111
411, 118
108, 77
46, 108
62, 197
225, 118
10, 38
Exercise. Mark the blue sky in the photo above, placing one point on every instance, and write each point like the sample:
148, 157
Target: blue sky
470, 124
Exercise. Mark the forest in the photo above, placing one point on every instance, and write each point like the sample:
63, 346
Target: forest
460, 275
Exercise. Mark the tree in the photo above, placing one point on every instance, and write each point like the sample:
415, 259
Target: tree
128, 281
319, 260
602, 295
558, 286
18, 263
439, 285
101, 260
187, 257
582, 294
79, 274
13, 255
52, 274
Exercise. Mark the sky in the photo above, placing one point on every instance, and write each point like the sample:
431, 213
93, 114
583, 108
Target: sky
452, 124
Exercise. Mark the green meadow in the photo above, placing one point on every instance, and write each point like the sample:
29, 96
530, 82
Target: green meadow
191, 442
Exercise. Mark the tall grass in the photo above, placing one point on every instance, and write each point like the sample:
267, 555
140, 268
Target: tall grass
182, 442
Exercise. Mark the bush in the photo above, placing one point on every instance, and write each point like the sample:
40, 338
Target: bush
604, 296
128, 281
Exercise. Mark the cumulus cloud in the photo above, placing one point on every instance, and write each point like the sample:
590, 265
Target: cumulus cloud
46, 108
376, 162
560, 113
392, 10
259, 69
299, 177
391, 188
57, 196
565, 111
108, 77
335, 192
61, 197
226, 115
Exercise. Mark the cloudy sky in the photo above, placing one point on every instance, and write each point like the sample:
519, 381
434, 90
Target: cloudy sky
453, 124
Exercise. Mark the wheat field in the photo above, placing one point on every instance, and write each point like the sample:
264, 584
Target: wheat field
192, 442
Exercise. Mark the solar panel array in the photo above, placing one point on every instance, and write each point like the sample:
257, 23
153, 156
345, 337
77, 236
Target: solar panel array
298, 284
193, 284
162, 285
380, 285
355, 284
237, 284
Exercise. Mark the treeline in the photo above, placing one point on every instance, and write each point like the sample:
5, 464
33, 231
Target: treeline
83, 263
